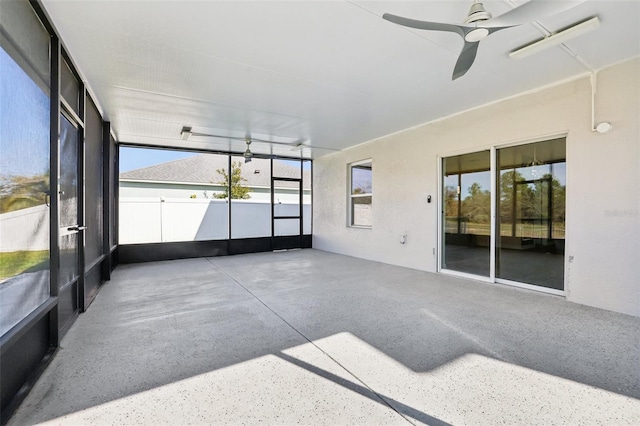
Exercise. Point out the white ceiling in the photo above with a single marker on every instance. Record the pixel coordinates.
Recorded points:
(330, 73)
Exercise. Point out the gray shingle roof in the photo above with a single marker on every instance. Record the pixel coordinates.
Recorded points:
(202, 169)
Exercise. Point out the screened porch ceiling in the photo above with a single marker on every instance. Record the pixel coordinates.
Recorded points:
(311, 76)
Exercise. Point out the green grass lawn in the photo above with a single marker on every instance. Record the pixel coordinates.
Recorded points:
(17, 262)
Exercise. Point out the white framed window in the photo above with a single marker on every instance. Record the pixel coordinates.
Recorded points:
(360, 193)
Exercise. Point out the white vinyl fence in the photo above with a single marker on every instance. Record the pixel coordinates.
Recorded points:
(13, 226)
(153, 220)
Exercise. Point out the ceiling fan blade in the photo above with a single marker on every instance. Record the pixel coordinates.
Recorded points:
(243, 139)
(207, 135)
(301, 146)
(530, 11)
(465, 60)
(425, 25)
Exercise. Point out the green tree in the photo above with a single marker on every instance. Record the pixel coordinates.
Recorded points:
(451, 201)
(21, 192)
(238, 190)
(476, 207)
(508, 179)
(558, 201)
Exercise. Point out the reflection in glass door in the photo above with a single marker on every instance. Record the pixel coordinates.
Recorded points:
(531, 215)
(466, 213)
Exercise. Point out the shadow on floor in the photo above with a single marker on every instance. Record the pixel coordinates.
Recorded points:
(159, 323)
(397, 406)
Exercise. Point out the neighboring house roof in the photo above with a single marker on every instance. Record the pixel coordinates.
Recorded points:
(202, 169)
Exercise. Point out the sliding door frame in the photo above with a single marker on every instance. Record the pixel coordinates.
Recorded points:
(493, 216)
(441, 224)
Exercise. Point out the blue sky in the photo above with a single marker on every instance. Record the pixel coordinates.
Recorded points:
(137, 158)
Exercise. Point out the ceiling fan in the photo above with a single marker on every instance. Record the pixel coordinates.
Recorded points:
(248, 155)
(187, 132)
(479, 24)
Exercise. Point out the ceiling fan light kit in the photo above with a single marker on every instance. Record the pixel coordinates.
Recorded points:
(557, 38)
(476, 35)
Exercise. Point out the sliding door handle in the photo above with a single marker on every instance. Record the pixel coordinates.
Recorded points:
(76, 228)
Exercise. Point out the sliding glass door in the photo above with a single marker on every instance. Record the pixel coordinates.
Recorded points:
(531, 219)
(467, 213)
(528, 233)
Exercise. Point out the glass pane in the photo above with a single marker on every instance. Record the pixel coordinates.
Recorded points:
(68, 258)
(250, 198)
(287, 169)
(68, 173)
(168, 195)
(26, 41)
(306, 198)
(361, 211)
(24, 169)
(467, 213)
(286, 198)
(93, 184)
(361, 179)
(284, 227)
(531, 220)
(69, 87)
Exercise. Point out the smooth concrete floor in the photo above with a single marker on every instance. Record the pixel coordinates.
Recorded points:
(309, 337)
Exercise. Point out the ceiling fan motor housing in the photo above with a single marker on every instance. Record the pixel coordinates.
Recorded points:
(477, 13)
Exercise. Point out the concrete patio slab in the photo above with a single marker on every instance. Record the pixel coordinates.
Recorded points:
(309, 337)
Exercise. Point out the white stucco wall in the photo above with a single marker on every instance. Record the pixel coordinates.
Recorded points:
(602, 262)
